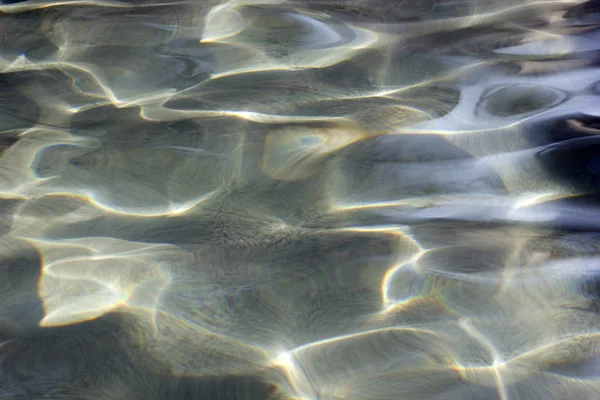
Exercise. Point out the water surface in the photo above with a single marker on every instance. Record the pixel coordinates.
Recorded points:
(360, 200)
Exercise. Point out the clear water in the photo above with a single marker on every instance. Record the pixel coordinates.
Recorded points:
(317, 200)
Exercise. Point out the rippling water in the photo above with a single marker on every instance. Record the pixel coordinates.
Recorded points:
(316, 200)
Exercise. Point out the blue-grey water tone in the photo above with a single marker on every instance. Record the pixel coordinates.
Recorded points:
(309, 200)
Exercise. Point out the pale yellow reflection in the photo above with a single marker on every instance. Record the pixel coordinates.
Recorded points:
(83, 279)
(293, 154)
(231, 25)
(339, 367)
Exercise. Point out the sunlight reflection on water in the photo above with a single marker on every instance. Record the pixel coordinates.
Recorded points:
(299, 200)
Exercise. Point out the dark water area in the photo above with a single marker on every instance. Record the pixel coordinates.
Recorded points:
(316, 200)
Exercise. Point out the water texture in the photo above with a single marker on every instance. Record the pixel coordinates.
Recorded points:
(317, 200)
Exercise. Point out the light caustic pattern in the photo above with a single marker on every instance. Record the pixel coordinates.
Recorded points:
(300, 200)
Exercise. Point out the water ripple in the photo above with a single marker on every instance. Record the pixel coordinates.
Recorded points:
(299, 199)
